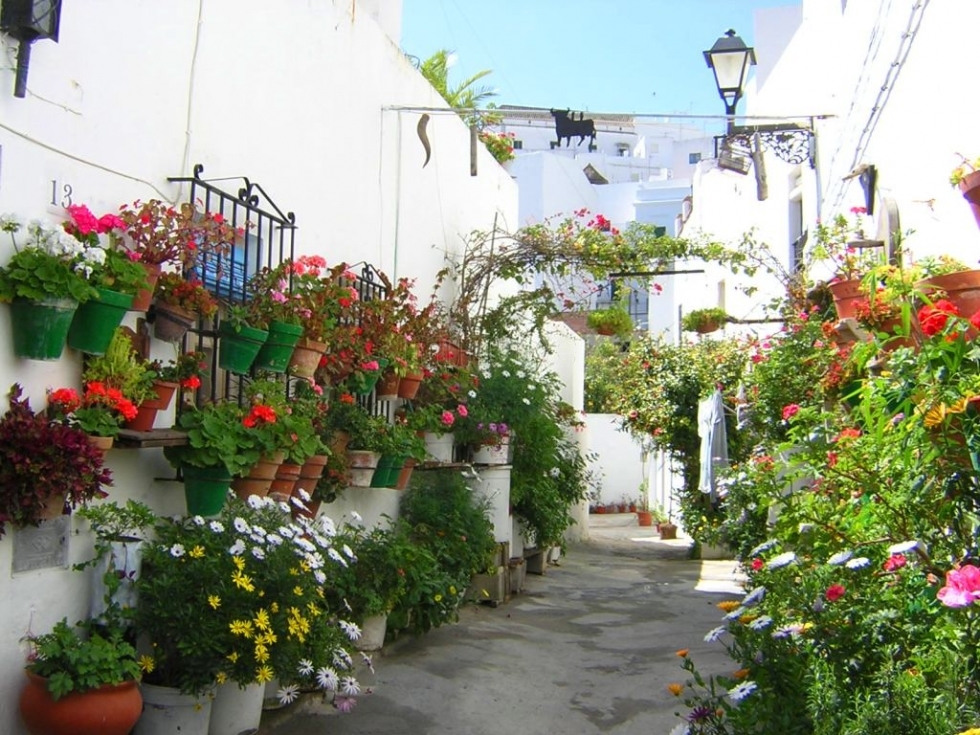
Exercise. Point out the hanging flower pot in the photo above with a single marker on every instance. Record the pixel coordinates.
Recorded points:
(409, 385)
(96, 320)
(237, 349)
(170, 323)
(111, 709)
(387, 386)
(382, 473)
(493, 454)
(275, 354)
(405, 474)
(362, 466)
(205, 489)
(259, 479)
(285, 480)
(364, 379)
(970, 188)
(439, 447)
(962, 289)
(306, 357)
(40, 328)
(846, 296)
(309, 476)
(141, 302)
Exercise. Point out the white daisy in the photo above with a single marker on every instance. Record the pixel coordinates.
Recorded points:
(356, 516)
(304, 496)
(258, 531)
(858, 563)
(177, 551)
(505, 373)
(237, 548)
(320, 577)
(526, 401)
(305, 667)
(350, 629)
(258, 553)
(806, 527)
(472, 394)
(342, 659)
(786, 631)
(754, 597)
(903, 548)
(741, 691)
(315, 560)
(286, 531)
(198, 520)
(274, 539)
(288, 694)
(784, 559)
(681, 729)
(840, 557)
(326, 678)
(216, 526)
(254, 501)
(761, 623)
(348, 552)
(715, 634)
(332, 553)
(367, 661)
(329, 528)
(735, 614)
(349, 686)
(295, 500)
(304, 544)
(241, 526)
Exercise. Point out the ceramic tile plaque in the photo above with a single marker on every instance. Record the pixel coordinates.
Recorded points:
(43, 547)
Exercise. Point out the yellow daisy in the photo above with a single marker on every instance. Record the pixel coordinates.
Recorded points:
(728, 605)
(214, 601)
(675, 688)
(147, 664)
(263, 674)
(221, 677)
(196, 553)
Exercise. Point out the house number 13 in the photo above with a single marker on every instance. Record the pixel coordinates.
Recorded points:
(66, 192)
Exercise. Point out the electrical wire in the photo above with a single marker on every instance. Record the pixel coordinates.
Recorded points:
(192, 73)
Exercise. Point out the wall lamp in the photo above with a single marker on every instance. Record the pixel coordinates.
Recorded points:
(28, 21)
(730, 60)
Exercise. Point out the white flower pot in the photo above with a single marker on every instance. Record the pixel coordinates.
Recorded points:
(166, 711)
(439, 447)
(362, 466)
(236, 711)
(373, 631)
(489, 454)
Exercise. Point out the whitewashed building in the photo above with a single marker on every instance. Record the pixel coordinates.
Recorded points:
(305, 99)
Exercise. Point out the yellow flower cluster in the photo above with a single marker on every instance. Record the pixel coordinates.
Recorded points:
(728, 605)
(299, 626)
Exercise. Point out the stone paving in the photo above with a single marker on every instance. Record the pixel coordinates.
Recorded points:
(588, 647)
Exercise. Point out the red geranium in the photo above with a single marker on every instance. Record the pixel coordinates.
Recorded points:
(933, 318)
(835, 592)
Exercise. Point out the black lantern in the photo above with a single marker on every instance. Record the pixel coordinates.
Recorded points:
(27, 21)
(730, 60)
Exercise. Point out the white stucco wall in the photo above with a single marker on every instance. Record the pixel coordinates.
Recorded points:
(618, 458)
(291, 95)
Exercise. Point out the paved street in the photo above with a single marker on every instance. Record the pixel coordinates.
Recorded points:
(589, 647)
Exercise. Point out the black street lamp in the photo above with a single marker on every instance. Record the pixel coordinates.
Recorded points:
(27, 21)
(730, 60)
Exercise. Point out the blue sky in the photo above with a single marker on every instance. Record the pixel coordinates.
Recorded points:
(629, 56)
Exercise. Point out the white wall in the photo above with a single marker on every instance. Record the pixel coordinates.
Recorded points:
(292, 95)
(618, 457)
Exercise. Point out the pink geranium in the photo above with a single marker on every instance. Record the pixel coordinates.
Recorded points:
(962, 587)
(790, 411)
(462, 411)
(447, 418)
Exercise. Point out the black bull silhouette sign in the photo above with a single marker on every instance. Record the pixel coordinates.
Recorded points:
(567, 127)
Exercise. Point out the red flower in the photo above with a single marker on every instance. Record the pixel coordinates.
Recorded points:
(757, 564)
(347, 398)
(191, 383)
(975, 320)
(66, 398)
(849, 433)
(790, 411)
(895, 562)
(834, 592)
(933, 318)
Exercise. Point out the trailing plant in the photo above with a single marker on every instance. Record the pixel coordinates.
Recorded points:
(704, 320)
(614, 320)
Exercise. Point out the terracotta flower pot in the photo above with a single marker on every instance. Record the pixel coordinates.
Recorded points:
(112, 709)
(165, 393)
(644, 517)
(259, 479)
(145, 295)
(961, 289)
(170, 323)
(306, 357)
(970, 188)
(408, 388)
(387, 387)
(846, 295)
(286, 477)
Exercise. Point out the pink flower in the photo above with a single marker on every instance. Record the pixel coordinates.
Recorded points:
(790, 411)
(834, 592)
(962, 587)
(370, 365)
(447, 418)
(461, 410)
(895, 562)
(278, 297)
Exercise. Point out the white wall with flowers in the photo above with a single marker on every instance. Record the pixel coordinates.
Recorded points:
(295, 96)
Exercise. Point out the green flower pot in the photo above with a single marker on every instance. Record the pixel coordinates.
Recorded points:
(362, 382)
(278, 348)
(95, 321)
(238, 350)
(40, 328)
(205, 489)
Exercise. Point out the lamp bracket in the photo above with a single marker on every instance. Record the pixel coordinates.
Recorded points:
(790, 142)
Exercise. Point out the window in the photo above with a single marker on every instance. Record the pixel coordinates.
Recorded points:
(623, 150)
(518, 145)
(693, 158)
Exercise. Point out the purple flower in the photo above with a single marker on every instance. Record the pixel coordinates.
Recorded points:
(344, 704)
(699, 714)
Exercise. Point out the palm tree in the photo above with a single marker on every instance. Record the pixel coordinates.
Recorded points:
(463, 96)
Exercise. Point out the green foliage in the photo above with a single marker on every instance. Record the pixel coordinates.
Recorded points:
(461, 96)
(122, 368)
(51, 266)
(704, 320)
(377, 582)
(615, 321)
(216, 438)
(79, 663)
(602, 369)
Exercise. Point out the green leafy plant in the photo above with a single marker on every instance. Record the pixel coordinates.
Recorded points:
(704, 320)
(74, 661)
(122, 369)
(52, 265)
(44, 461)
(159, 232)
(613, 321)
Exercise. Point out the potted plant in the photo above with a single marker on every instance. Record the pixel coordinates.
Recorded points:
(158, 233)
(44, 465)
(179, 303)
(703, 321)
(121, 370)
(273, 307)
(44, 282)
(99, 411)
(322, 299)
(115, 277)
(966, 177)
(500, 145)
(239, 341)
(368, 437)
(835, 243)
(614, 321)
(82, 680)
